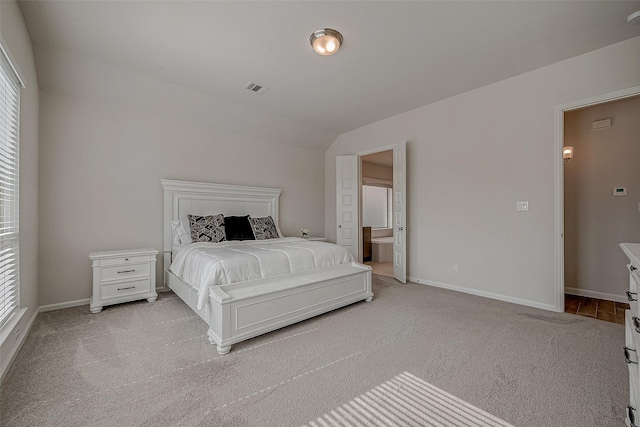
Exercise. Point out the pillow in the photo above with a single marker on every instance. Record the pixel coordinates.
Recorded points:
(238, 228)
(179, 233)
(264, 228)
(207, 228)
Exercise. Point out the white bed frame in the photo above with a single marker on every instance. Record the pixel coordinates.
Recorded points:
(240, 311)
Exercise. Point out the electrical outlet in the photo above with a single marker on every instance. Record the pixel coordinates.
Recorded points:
(522, 206)
(455, 266)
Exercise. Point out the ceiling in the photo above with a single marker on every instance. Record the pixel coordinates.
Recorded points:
(396, 56)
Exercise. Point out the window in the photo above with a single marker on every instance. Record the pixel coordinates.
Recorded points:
(9, 126)
(376, 206)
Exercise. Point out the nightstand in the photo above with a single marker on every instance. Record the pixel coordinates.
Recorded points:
(317, 239)
(122, 276)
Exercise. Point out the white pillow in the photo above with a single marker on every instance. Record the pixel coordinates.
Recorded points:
(180, 234)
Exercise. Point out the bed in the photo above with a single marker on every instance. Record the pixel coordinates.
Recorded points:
(241, 310)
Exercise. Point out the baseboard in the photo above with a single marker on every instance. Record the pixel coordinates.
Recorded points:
(76, 303)
(596, 294)
(4, 369)
(61, 305)
(500, 297)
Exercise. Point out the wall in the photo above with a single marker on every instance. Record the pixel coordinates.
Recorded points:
(17, 41)
(372, 170)
(470, 158)
(107, 138)
(595, 220)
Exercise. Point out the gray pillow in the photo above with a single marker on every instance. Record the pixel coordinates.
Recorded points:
(264, 228)
(208, 228)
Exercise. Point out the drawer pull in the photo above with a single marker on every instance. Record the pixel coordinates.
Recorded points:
(128, 287)
(632, 418)
(626, 355)
(633, 268)
(636, 324)
(126, 271)
(629, 297)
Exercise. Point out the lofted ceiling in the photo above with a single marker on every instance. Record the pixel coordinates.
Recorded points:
(396, 56)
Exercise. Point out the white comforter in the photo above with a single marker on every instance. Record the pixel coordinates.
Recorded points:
(203, 265)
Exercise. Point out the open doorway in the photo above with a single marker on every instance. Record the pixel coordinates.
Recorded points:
(601, 196)
(349, 232)
(377, 211)
(563, 224)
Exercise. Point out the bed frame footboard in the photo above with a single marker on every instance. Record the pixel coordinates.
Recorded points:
(240, 311)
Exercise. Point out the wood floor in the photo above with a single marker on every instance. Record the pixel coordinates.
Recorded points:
(608, 311)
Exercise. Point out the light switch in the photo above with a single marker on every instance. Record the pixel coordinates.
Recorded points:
(522, 206)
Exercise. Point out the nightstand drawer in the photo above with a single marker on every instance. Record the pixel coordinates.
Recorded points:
(125, 288)
(125, 260)
(118, 272)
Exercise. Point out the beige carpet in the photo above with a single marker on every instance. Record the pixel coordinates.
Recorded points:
(416, 355)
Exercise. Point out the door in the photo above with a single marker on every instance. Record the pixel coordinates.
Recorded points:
(347, 214)
(400, 211)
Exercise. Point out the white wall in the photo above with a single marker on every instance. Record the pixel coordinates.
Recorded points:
(596, 221)
(107, 138)
(17, 41)
(470, 158)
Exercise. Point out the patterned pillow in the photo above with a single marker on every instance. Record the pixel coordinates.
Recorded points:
(208, 228)
(264, 228)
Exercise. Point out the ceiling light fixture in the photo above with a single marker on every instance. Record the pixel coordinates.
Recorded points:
(326, 41)
(634, 18)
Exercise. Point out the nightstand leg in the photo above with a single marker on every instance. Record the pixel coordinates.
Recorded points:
(96, 309)
(152, 299)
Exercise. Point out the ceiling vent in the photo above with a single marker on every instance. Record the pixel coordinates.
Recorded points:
(253, 87)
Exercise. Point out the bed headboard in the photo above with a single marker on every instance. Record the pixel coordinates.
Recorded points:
(200, 198)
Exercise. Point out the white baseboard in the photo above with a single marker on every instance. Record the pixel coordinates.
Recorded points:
(4, 369)
(61, 305)
(76, 303)
(596, 294)
(500, 297)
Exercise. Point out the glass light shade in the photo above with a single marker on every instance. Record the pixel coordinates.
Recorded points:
(567, 153)
(326, 41)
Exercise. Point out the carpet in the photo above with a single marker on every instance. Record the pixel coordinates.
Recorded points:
(150, 364)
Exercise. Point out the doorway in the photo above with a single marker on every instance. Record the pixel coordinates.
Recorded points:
(601, 193)
(349, 232)
(590, 219)
(376, 172)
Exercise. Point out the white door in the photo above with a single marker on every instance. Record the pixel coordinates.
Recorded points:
(347, 216)
(400, 211)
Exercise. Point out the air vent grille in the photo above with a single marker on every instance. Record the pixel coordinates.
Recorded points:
(254, 87)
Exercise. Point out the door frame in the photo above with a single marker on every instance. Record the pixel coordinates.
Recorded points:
(559, 177)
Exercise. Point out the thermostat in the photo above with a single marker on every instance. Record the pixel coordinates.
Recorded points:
(620, 191)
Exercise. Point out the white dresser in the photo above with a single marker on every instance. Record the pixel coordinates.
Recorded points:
(632, 333)
(122, 276)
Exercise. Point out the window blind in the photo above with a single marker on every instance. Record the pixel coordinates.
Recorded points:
(9, 126)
